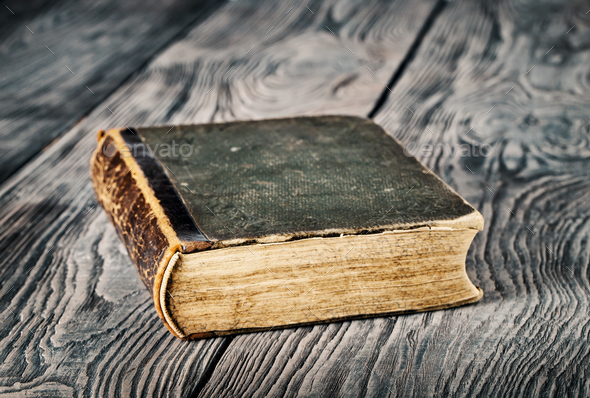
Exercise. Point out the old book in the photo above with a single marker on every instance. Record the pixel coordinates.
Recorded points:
(259, 225)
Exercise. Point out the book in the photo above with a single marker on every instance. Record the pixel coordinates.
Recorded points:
(260, 225)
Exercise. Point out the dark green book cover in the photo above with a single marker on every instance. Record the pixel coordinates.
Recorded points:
(298, 176)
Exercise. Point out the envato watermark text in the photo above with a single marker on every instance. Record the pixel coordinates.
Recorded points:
(447, 150)
(172, 150)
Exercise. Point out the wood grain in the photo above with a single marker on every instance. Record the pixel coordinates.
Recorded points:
(77, 320)
(529, 334)
(60, 60)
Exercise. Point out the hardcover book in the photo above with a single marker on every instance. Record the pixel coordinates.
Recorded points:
(260, 225)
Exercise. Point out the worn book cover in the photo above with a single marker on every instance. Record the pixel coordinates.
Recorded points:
(258, 225)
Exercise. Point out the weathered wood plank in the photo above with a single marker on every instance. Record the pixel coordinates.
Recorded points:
(58, 61)
(78, 321)
(529, 335)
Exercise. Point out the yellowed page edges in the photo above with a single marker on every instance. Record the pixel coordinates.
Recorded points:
(163, 290)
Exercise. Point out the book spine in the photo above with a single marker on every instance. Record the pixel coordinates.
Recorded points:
(125, 193)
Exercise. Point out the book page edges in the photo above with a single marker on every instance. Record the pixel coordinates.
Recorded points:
(475, 295)
(170, 323)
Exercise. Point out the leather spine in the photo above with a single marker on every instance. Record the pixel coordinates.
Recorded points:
(142, 220)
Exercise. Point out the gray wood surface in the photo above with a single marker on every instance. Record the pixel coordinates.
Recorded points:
(60, 60)
(471, 85)
(77, 320)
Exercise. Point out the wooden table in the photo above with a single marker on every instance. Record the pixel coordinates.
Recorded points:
(502, 88)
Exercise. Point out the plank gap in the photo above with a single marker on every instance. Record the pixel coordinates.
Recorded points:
(208, 373)
(209, 9)
(410, 55)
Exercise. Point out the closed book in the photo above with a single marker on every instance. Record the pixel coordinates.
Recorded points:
(260, 225)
